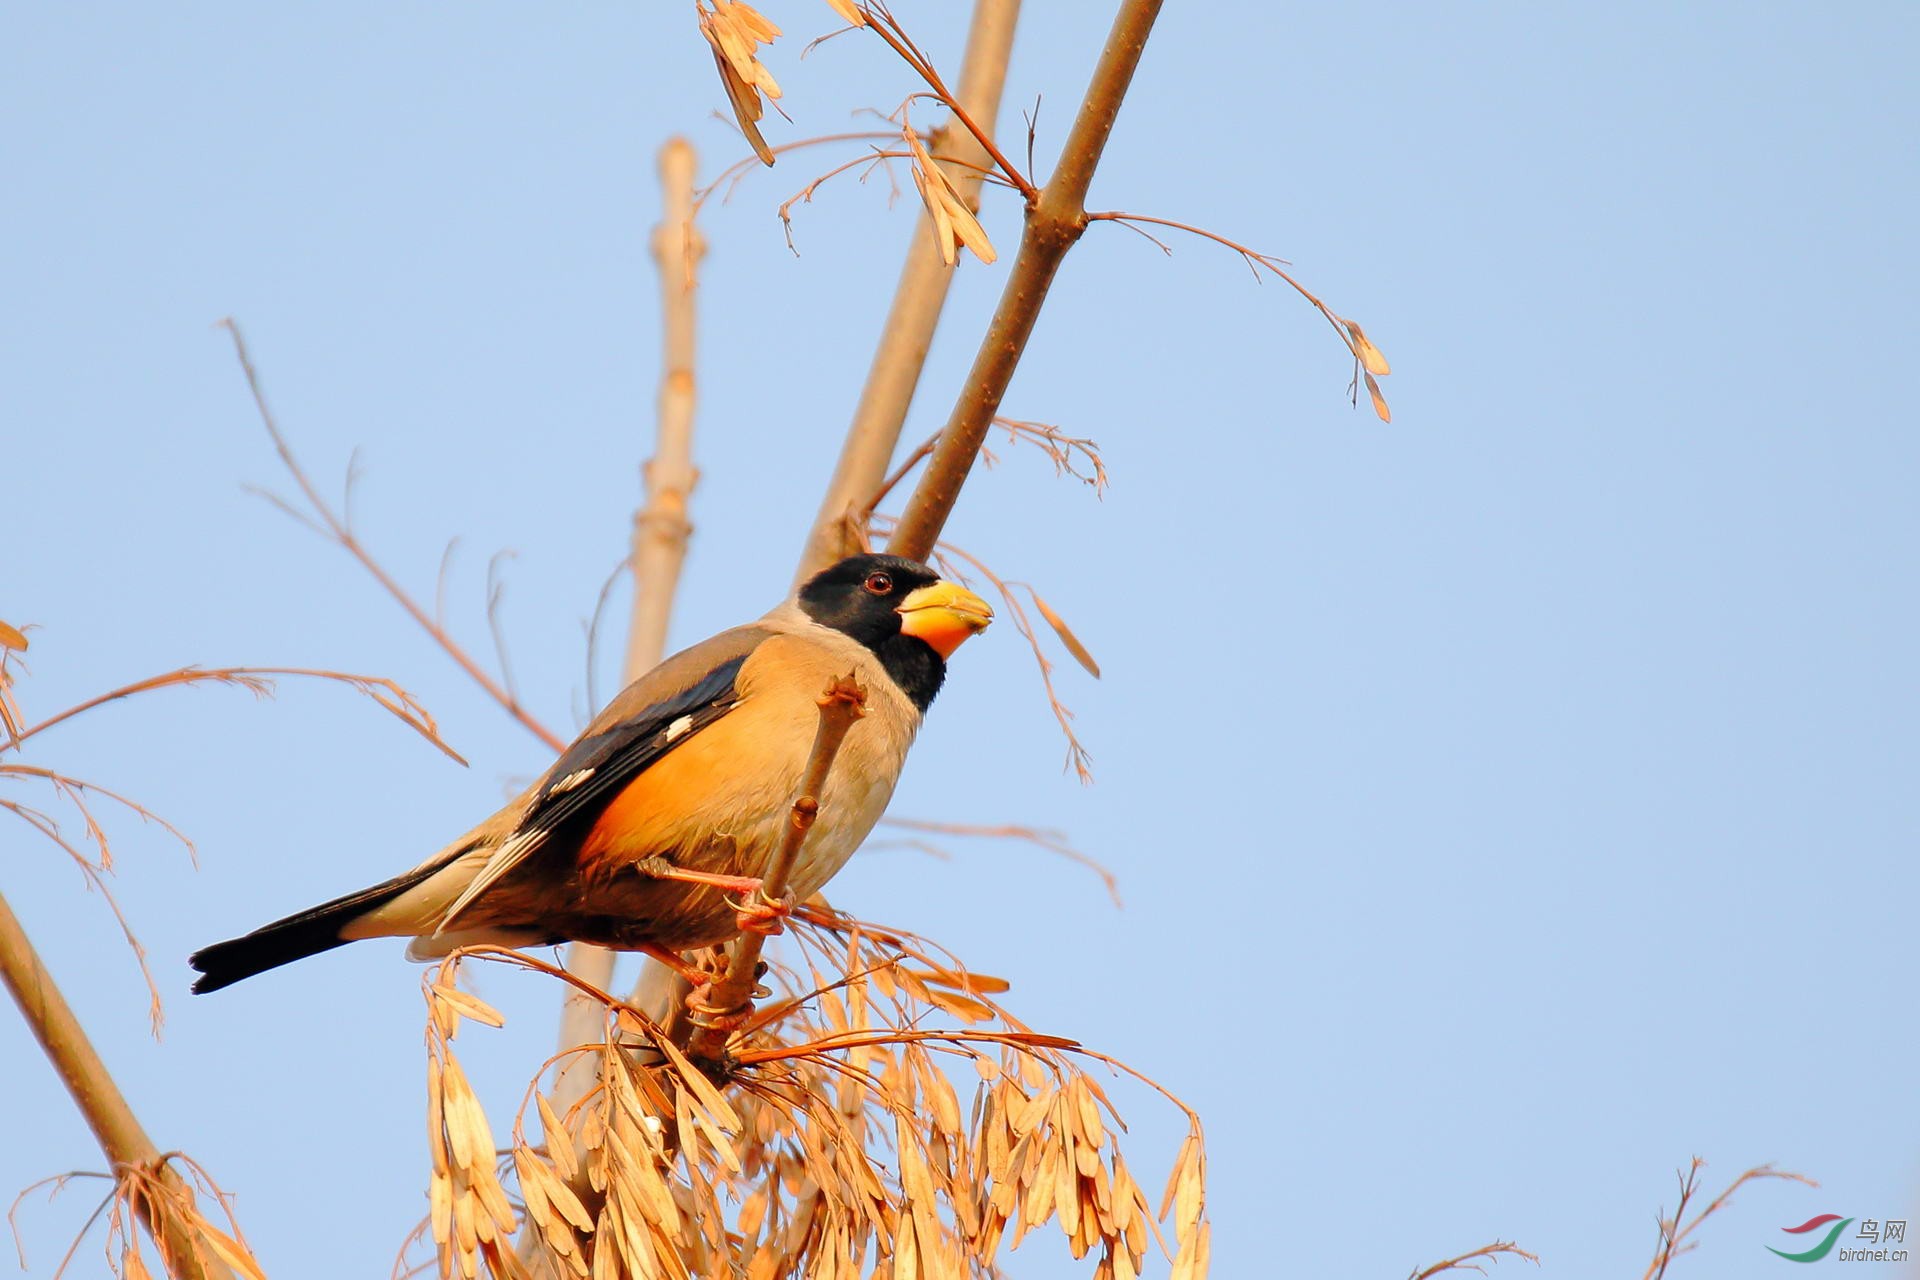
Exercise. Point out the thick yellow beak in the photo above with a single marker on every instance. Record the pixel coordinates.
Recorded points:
(943, 615)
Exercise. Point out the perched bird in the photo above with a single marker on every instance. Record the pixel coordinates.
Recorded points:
(671, 800)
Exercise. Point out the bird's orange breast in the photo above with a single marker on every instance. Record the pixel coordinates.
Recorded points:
(718, 801)
(716, 793)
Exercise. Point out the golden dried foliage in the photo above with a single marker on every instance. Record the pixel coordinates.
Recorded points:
(12, 641)
(472, 1220)
(736, 30)
(852, 13)
(955, 226)
(833, 1137)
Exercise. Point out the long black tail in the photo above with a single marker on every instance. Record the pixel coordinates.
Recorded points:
(309, 933)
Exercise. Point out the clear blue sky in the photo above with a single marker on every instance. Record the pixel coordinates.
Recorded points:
(1510, 802)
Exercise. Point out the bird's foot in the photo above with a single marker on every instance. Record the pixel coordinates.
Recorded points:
(694, 976)
(660, 869)
(757, 913)
(705, 1015)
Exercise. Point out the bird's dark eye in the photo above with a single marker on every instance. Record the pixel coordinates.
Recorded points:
(879, 583)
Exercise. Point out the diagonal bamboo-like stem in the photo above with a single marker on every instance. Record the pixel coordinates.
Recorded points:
(660, 533)
(661, 529)
(917, 301)
(843, 703)
(99, 1099)
(1054, 224)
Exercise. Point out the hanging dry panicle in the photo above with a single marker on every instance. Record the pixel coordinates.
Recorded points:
(833, 1138)
(473, 1221)
(736, 30)
(954, 226)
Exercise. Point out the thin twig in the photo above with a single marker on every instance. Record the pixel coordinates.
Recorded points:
(1471, 1261)
(1052, 841)
(1675, 1230)
(1079, 759)
(259, 682)
(340, 533)
(888, 28)
(843, 703)
(1367, 359)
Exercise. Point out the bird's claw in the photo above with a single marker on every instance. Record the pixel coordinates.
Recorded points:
(761, 914)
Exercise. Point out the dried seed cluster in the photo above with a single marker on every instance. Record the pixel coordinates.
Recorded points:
(954, 225)
(832, 1144)
(736, 31)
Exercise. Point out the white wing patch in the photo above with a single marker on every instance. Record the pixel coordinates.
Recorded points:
(569, 782)
(679, 728)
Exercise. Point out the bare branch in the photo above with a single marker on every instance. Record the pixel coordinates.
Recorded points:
(99, 1099)
(339, 532)
(661, 530)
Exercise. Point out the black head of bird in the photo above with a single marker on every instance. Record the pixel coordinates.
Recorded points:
(902, 611)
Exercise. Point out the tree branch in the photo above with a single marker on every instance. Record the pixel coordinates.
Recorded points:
(917, 301)
(727, 999)
(99, 1099)
(661, 529)
(660, 533)
(1055, 221)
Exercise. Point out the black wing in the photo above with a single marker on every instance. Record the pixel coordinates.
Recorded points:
(598, 767)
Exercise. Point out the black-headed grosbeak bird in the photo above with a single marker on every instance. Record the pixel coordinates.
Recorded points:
(669, 803)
